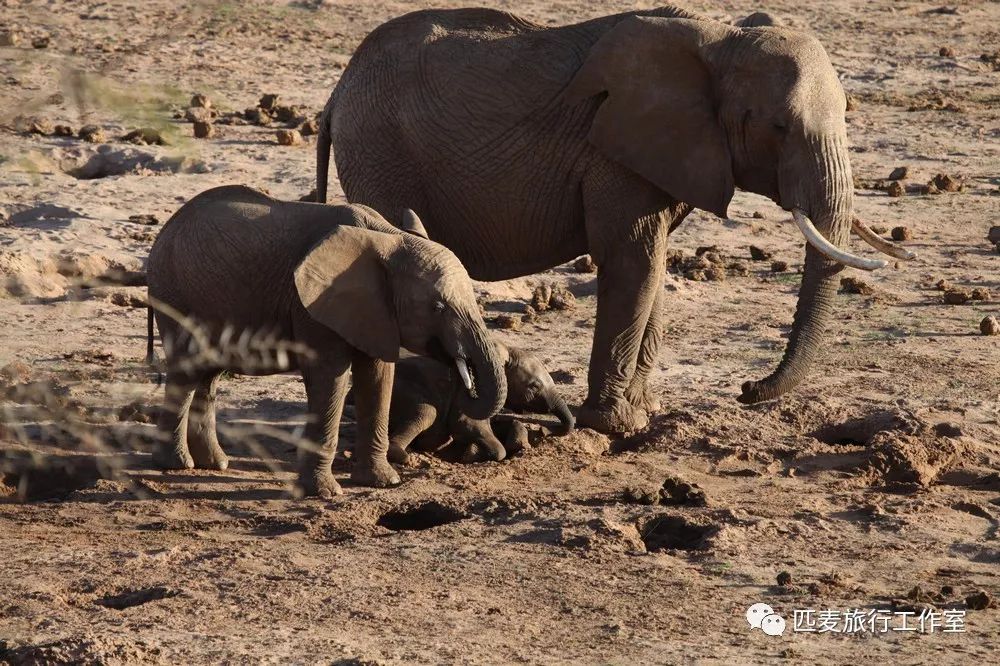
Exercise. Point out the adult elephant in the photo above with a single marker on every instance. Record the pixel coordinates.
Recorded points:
(523, 146)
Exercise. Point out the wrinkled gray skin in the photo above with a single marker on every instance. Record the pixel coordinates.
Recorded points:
(338, 281)
(523, 146)
(424, 409)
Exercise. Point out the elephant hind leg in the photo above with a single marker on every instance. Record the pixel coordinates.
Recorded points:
(203, 440)
(171, 450)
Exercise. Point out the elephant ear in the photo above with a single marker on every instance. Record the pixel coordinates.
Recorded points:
(409, 222)
(343, 282)
(659, 116)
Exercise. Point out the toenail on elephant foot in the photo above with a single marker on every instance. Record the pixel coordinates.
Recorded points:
(477, 452)
(620, 418)
(376, 475)
(169, 457)
(318, 484)
(217, 461)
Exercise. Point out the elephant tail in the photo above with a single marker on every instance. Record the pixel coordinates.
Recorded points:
(150, 354)
(323, 143)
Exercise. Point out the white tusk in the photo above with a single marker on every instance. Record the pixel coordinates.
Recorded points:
(463, 370)
(879, 243)
(818, 241)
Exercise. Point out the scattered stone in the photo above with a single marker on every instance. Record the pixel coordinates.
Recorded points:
(879, 228)
(946, 52)
(562, 299)
(957, 296)
(15, 372)
(40, 42)
(530, 315)
(899, 173)
(145, 136)
(993, 235)
(946, 429)
(258, 117)
(992, 59)
(203, 130)
(757, 215)
(990, 325)
(309, 128)
(895, 189)
(38, 126)
(8, 38)
(198, 114)
(853, 285)
(942, 285)
(125, 300)
(852, 103)
(676, 491)
(674, 260)
(704, 249)
(144, 218)
(981, 294)
(641, 495)
(779, 266)
(979, 600)
(929, 188)
(585, 265)
(738, 268)
(540, 297)
(200, 101)
(62, 130)
(946, 183)
(289, 137)
(758, 254)
(268, 102)
(902, 234)
(91, 134)
(508, 322)
(288, 114)
(784, 579)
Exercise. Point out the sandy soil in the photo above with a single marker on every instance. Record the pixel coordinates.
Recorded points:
(874, 485)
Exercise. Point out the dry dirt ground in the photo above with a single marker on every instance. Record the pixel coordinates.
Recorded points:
(874, 485)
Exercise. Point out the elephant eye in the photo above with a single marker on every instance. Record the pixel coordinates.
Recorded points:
(439, 306)
(781, 127)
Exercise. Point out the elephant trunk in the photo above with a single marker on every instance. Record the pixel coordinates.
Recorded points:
(830, 208)
(558, 407)
(488, 377)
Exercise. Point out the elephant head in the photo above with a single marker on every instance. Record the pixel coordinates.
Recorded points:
(530, 386)
(698, 108)
(382, 291)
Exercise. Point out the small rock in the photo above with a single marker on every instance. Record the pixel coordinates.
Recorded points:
(198, 114)
(758, 254)
(852, 103)
(757, 215)
(201, 101)
(853, 285)
(946, 52)
(62, 130)
(91, 134)
(562, 299)
(508, 322)
(289, 137)
(258, 117)
(641, 495)
(784, 579)
(125, 300)
(930, 188)
(993, 235)
(957, 296)
(946, 183)
(990, 325)
(899, 173)
(979, 600)
(945, 429)
(15, 372)
(704, 249)
(981, 294)
(738, 268)
(585, 265)
(676, 490)
(779, 266)
(540, 298)
(309, 128)
(8, 38)
(145, 136)
(268, 102)
(40, 42)
(39, 126)
(144, 218)
(895, 189)
(203, 130)
(902, 234)
(530, 315)
(287, 114)
(942, 285)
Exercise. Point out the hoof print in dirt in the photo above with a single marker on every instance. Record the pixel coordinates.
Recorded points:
(419, 517)
(669, 532)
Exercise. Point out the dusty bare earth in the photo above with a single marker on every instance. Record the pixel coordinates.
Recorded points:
(874, 485)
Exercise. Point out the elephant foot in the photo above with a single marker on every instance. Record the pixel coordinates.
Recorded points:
(172, 457)
(379, 474)
(210, 457)
(318, 483)
(480, 452)
(399, 456)
(644, 400)
(619, 418)
(517, 438)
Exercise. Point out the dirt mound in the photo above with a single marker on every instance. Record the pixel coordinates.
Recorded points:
(83, 651)
(85, 163)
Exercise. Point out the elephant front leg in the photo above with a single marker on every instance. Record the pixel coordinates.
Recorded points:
(638, 392)
(326, 388)
(372, 395)
(203, 440)
(409, 420)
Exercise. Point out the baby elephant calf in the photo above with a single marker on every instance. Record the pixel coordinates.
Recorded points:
(244, 283)
(430, 408)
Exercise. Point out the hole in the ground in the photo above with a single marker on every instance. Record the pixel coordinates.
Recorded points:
(130, 598)
(666, 532)
(422, 516)
(860, 430)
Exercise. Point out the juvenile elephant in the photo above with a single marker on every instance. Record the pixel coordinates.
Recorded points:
(424, 406)
(523, 146)
(245, 283)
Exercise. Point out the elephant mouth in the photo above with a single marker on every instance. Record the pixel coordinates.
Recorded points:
(466, 372)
